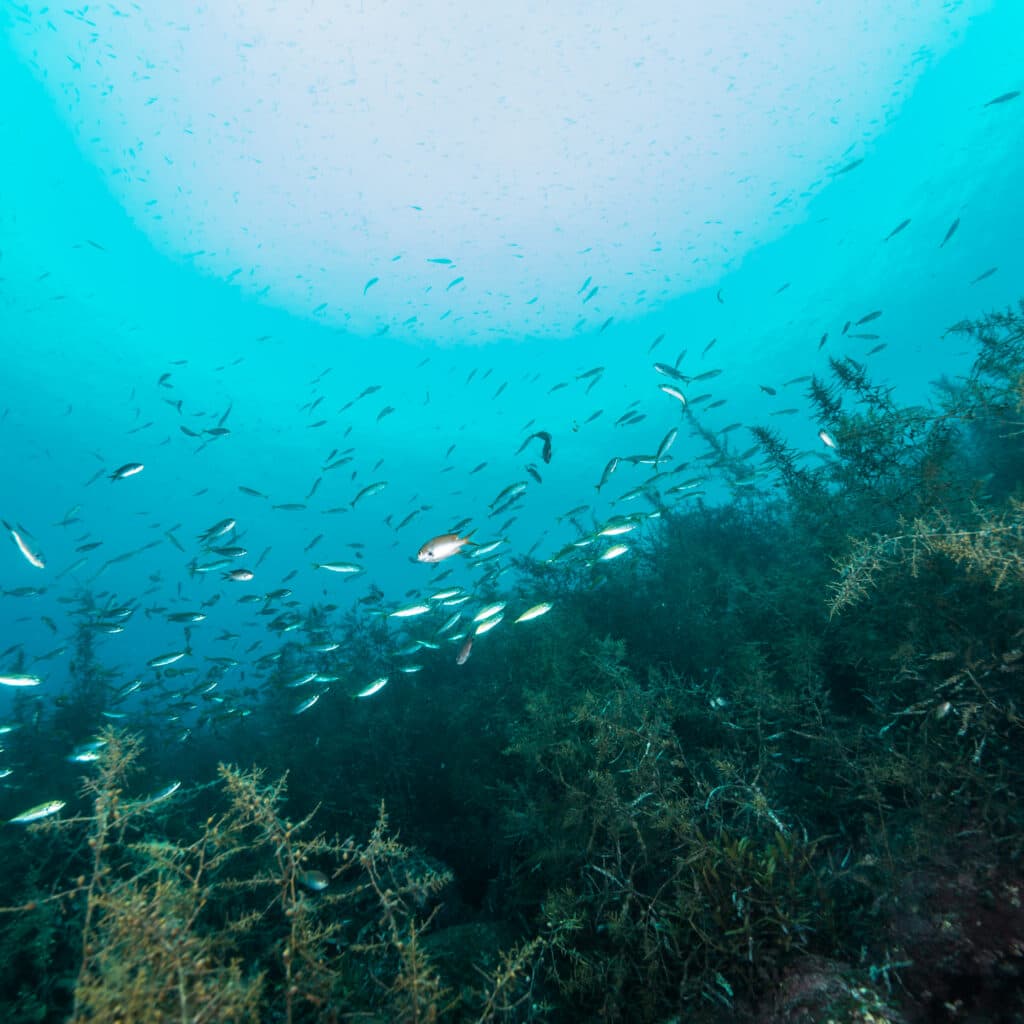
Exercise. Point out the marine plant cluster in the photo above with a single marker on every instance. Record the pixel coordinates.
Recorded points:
(767, 771)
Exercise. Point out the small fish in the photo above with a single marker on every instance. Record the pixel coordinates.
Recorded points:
(828, 440)
(487, 625)
(162, 660)
(306, 704)
(535, 612)
(590, 294)
(896, 230)
(375, 687)
(613, 464)
(38, 812)
(315, 881)
(340, 567)
(546, 438)
(868, 317)
(1004, 98)
(453, 283)
(368, 490)
(673, 393)
(614, 552)
(18, 679)
(988, 273)
(670, 371)
(464, 651)
(32, 556)
(127, 470)
(409, 611)
(437, 549)
(950, 232)
(666, 442)
(369, 284)
(489, 612)
(239, 575)
(767, 390)
(163, 794)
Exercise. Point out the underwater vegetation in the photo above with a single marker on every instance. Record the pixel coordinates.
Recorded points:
(766, 770)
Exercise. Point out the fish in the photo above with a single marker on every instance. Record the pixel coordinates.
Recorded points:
(163, 794)
(546, 438)
(487, 625)
(670, 371)
(896, 230)
(510, 492)
(38, 812)
(19, 679)
(1004, 98)
(369, 284)
(315, 881)
(464, 651)
(218, 530)
(950, 232)
(368, 491)
(535, 612)
(239, 575)
(127, 470)
(673, 393)
(340, 567)
(666, 442)
(375, 687)
(828, 440)
(409, 611)
(306, 704)
(613, 464)
(987, 273)
(489, 612)
(614, 552)
(868, 317)
(162, 660)
(31, 555)
(437, 549)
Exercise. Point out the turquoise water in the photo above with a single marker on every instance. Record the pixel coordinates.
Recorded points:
(409, 238)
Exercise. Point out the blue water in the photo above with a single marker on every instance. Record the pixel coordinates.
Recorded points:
(239, 245)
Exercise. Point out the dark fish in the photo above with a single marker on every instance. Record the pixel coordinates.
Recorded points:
(896, 230)
(849, 167)
(988, 273)
(824, 338)
(369, 284)
(951, 232)
(767, 390)
(591, 294)
(1005, 98)
(546, 438)
(868, 318)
